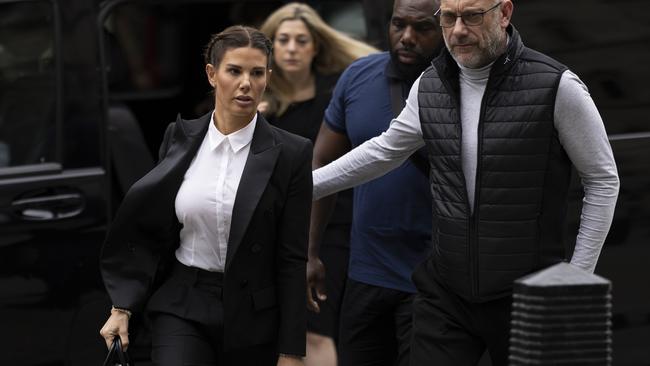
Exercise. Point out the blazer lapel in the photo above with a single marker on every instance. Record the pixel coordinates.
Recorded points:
(185, 143)
(149, 204)
(257, 171)
(186, 140)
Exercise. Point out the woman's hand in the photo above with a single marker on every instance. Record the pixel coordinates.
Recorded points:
(286, 360)
(117, 324)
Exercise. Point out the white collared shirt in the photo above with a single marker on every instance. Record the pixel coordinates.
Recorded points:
(205, 199)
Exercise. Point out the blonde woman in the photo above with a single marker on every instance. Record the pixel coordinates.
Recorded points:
(308, 57)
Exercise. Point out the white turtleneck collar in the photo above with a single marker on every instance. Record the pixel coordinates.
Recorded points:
(476, 75)
(481, 73)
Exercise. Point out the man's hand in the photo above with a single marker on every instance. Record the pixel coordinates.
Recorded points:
(287, 360)
(315, 283)
(329, 146)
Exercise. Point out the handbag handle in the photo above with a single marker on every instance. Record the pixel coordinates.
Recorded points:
(116, 353)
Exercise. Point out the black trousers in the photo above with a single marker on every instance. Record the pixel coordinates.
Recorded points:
(450, 331)
(193, 335)
(375, 326)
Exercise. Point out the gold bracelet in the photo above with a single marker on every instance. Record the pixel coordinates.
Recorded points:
(122, 310)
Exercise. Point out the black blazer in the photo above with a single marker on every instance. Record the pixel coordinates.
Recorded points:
(264, 287)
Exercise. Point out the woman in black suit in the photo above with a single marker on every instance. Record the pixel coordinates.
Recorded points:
(212, 242)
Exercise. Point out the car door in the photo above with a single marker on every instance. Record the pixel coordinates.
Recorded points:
(53, 205)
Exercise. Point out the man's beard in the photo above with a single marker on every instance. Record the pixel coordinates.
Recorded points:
(410, 72)
(490, 51)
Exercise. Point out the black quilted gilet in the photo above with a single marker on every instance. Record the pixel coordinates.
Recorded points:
(522, 174)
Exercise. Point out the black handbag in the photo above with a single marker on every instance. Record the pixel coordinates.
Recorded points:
(116, 355)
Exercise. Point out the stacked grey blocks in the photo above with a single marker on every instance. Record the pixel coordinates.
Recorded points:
(561, 316)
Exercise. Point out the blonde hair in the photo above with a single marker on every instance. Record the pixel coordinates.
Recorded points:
(334, 51)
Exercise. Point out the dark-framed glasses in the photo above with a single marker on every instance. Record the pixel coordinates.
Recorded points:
(448, 19)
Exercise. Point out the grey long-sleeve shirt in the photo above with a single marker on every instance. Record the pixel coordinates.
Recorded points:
(580, 130)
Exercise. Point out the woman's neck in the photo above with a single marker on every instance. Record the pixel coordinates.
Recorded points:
(226, 123)
(304, 85)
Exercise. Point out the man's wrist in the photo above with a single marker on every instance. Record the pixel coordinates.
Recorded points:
(313, 249)
(297, 357)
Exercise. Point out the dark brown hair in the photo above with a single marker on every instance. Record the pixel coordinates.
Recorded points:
(236, 36)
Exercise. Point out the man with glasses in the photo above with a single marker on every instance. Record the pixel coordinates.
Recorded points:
(502, 125)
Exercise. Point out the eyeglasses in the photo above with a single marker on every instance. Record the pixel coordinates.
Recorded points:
(448, 19)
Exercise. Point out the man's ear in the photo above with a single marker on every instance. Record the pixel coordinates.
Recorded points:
(506, 11)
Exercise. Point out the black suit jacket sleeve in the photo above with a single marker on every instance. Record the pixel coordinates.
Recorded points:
(128, 266)
(292, 256)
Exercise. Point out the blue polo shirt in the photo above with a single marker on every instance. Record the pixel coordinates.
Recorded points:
(391, 224)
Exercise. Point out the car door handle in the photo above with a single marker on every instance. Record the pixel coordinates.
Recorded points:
(49, 207)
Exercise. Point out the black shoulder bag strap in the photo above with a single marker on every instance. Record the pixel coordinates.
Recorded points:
(397, 102)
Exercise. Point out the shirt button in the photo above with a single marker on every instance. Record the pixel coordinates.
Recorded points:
(256, 248)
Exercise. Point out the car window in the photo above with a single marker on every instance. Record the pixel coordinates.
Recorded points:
(28, 82)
